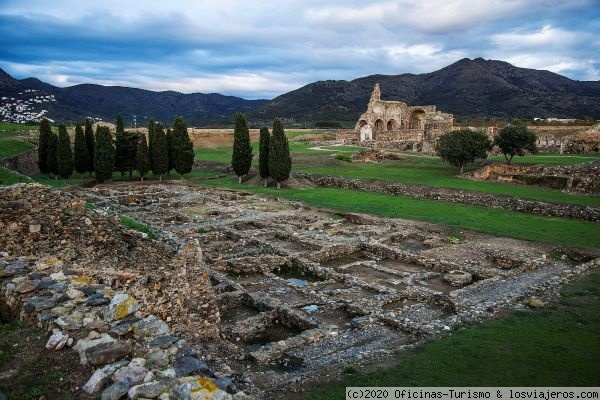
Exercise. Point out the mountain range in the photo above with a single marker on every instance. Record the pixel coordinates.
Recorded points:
(105, 102)
(467, 88)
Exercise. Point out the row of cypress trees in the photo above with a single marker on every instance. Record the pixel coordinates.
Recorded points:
(128, 151)
(274, 160)
(170, 150)
(55, 155)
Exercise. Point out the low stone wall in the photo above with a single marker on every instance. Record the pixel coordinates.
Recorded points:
(583, 178)
(110, 294)
(474, 198)
(399, 135)
(133, 356)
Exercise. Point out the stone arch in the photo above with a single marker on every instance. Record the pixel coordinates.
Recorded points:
(361, 123)
(366, 133)
(379, 125)
(416, 119)
(392, 125)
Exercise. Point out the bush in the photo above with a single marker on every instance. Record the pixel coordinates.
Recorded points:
(462, 147)
(515, 140)
(343, 157)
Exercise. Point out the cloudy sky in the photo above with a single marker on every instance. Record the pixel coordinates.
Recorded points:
(259, 49)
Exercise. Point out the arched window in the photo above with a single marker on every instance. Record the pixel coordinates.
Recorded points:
(392, 125)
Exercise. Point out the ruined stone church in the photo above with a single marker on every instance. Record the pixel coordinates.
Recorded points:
(395, 124)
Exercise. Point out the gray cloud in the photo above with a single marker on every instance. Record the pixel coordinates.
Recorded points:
(262, 49)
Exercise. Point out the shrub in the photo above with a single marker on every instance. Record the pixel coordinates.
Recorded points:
(515, 140)
(343, 157)
(462, 147)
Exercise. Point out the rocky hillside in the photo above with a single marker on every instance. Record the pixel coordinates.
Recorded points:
(467, 88)
(87, 100)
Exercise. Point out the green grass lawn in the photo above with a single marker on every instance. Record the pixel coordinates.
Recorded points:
(551, 158)
(559, 231)
(423, 172)
(555, 346)
(11, 128)
(8, 177)
(415, 169)
(11, 147)
(77, 178)
(136, 225)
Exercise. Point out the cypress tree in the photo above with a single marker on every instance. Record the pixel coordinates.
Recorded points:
(151, 125)
(104, 154)
(143, 157)
(125, 149)
(64, 154)
(81, 158)
(241, 159)
(280, 161)
(263, 155)
(51, 160)
(132, 142)
(121, 151)
(183, 148)
(120, 128)
(90, 143)
(170, 151)
(160, 155)
(45, 132)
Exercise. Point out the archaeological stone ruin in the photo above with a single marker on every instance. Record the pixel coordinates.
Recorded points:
(241, 296)
(394, 124)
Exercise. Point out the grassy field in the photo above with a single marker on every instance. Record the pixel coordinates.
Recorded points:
(8, 177)
(526, 348)
(551, 158)
(77, 178)
(425, 172)
(11, 128)
(559, 231)
(415, 169)
(11, 147)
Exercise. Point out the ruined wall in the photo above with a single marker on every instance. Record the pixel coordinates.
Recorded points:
(567, 139)
(36, 221)
(409, 127)
(404, 134)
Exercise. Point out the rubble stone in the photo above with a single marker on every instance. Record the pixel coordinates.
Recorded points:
(115, 391)
(151, 326)
(134, 373)
(57, 340)
(108, 352)
(121, 306)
